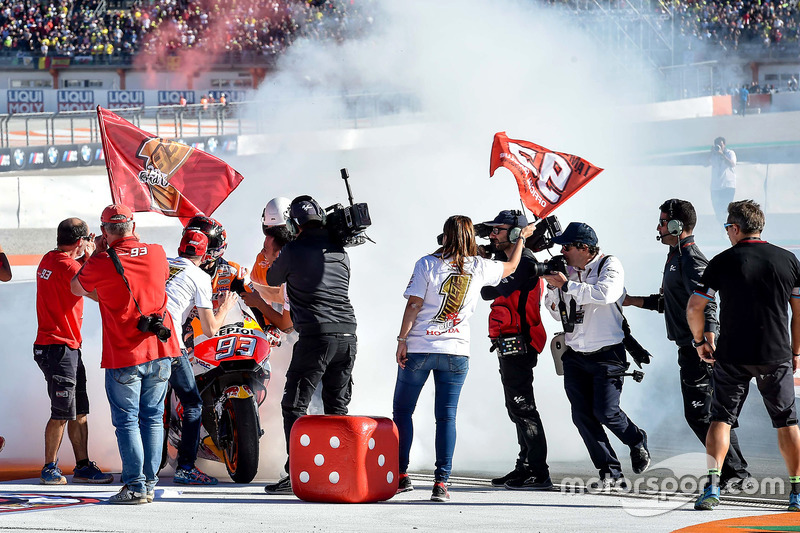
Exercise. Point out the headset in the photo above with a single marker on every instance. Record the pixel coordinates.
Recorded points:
(514, 233)
(303, 209)
(674, 226)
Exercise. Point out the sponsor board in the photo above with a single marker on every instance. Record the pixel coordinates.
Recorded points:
(174, 97)
(25, 100)
(230, 96)
(75, 100)
(123, 99)
(90, 154)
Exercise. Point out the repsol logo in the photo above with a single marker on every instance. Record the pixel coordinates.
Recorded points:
(174, 97)
(125, 98)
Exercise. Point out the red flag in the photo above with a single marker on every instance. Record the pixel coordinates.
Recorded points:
(149, 173)
(546, 179)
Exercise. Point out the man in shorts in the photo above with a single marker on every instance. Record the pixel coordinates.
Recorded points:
(57, 351)
(757, 283)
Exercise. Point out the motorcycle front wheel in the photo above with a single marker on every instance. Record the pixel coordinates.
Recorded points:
(240, 445)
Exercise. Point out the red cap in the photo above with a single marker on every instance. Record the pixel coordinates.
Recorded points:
(193, 243)
(116, 214)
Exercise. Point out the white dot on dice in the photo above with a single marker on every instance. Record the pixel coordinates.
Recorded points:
(371, 443)
(334, 477)
(319, 459)
(389, 477)
(381, 460)
(304, 477)
(334, 442)
(305, 440)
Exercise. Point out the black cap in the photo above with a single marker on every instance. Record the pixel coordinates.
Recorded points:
(577, 232)
(512, 218)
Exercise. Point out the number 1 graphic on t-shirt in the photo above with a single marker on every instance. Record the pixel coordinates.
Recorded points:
(454, 289)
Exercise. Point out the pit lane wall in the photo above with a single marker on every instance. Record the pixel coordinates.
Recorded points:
(716, 106)
(60, 100)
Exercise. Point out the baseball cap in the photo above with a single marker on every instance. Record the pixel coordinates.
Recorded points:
(577, 232)
(510, 218)
(116, 214)
(194, 242)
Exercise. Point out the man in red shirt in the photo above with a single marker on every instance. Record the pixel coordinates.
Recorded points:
(57, 351)
(129, 277)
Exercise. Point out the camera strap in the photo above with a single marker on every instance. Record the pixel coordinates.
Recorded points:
(121, 271)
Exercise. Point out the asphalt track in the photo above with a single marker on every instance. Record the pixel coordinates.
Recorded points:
(475, 506)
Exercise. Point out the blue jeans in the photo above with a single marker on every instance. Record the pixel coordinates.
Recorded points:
(449, 373)
(136, 396)
(185, 387)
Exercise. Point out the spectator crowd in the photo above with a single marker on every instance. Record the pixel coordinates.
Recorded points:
(88, 29)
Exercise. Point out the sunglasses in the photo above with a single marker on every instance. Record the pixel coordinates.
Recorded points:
(663, 222)
(568, 247)
(728, 225)
(86, 238)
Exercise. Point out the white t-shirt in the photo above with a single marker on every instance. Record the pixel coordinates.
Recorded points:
(723, 176)
(187, 287)
(449, 299)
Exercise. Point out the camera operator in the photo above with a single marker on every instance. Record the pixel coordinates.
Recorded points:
(189, 288)
(317, 275)
(682, 272)
(518, 335)
(595, 355)
(723, 178)
(129, 277)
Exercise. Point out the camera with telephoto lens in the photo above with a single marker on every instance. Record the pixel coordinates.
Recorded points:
(551, 266)
(346, 224)
(154, 324)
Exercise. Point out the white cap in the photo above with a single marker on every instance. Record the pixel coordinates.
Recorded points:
(276, 212)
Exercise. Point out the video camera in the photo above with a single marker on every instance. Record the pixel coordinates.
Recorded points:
(542, 239)
(346, 224)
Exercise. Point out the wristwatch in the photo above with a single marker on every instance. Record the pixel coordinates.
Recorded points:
(698, 344)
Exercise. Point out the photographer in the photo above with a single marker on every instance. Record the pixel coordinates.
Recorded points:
(518, 335)
(317, 275)
(682, 272)
(129, 277)
(723, 178)
(595, 356)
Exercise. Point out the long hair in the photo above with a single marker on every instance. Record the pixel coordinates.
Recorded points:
(459, 241)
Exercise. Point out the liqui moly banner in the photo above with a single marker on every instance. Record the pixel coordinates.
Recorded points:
(25, 100)
(75, 100)
(125, 99)
(174, 97)
(230, 96)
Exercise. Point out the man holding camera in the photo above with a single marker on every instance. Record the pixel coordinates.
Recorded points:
(57, 351)
(129, 279)
(518, 335)
(682, 273)
(316, 271)
(758, 283)
(723, 178)
(585, 299)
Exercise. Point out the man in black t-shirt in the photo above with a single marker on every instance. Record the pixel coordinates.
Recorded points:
(757, 282)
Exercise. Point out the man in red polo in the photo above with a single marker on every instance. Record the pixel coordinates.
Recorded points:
(57, 351)
(129, 277)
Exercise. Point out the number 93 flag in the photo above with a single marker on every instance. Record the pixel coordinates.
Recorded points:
(546, 179)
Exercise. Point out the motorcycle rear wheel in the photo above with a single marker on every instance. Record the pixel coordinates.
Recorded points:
(240, 418)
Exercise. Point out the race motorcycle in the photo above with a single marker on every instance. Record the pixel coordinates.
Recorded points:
(232, 371)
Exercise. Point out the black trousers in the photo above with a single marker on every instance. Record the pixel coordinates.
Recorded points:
(326, 359)
(516, 373)
(696, 388)
(594, 397)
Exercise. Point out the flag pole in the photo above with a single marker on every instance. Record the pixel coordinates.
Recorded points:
(101, 124)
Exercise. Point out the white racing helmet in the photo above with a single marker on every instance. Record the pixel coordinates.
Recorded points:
(275, 213)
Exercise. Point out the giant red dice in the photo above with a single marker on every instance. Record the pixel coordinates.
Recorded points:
(347, 459)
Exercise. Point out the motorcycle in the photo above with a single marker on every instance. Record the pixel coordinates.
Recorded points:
(232, 371)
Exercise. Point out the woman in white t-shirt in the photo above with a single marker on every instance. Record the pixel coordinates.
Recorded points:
(434, 336)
